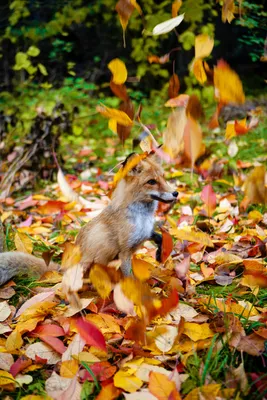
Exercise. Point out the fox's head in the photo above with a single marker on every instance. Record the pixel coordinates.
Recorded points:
(145, 182)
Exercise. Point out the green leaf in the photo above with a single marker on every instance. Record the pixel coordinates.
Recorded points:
(22, 61)
(33, 51)
(42, 69)
(87, 390)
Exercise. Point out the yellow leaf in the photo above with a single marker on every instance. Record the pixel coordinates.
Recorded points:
(131, 163)
(197, 331)
(166, 335)
(199, 70)
(120, 116)
(160, 385)
(227, 258)
(203, 46)
(119, 71)
(176, 5)
(228, 86)
(207, 392)
(141, 269)
(14, 341)
(6, 378)
(191, 236)
(36, 397)
(23, 243)
(69, 368)
(230, 131)
(112, 124)
(228, 10)
(100, 280)
(71, 255)
(127, 382)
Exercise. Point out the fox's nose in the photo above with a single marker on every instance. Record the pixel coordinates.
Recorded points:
(175, 194)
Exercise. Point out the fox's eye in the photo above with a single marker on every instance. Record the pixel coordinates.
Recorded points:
(152, 182)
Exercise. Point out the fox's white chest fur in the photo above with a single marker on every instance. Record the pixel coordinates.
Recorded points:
(141, 216)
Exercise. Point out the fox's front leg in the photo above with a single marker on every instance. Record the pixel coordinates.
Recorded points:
(126, 263)
(157, 238)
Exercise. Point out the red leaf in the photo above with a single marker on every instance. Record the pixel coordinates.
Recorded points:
(167, 245)
(40, 360)
(48, 330)
(209, 198)
(102, 371)
(19, 365)
(91, 334)
(55, 343)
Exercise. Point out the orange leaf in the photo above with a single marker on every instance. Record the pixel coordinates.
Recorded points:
(159, 60)
(180, 101)
(71, 255)
(176, 5)
(174, 86)
(241, 127)
(108, 392)
(160, 386)
(228, 10)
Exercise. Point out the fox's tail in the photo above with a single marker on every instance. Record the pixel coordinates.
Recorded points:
(15, 263)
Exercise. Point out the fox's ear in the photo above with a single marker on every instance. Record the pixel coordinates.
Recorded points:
(154, 156)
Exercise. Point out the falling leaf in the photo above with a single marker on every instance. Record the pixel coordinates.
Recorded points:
(124, 131)
(101, 280)
(23, 242)
(120, 116)
(119, 90)
(159, 60)
(125, 9)
(141, 268)
(232, 149)
(167, 26)
(228, 9)
(180, 101)
(194, 108)
(173, 135)
(119, 71)
(174, 86)
(176, 5)
(131, 163)
(199, 71)
(192, 140)
(209, 198)
(228, 86)
(203, 46)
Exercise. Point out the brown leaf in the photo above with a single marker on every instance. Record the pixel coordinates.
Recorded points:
(167, 245)
(255, 186)
(174, 86)
(252, 344)
(192, 140)
(119, 90)
(194, 108)
(124, 131)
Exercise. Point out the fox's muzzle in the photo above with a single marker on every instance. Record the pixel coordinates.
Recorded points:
(165, 197)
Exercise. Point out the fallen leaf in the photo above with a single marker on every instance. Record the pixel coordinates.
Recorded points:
(197, 331)
(160, 386)
(23, 242)
(90, 333)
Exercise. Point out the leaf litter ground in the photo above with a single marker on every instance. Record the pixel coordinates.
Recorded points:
(137, 341)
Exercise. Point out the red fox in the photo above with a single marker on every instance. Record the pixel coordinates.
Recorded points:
(118, 231)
